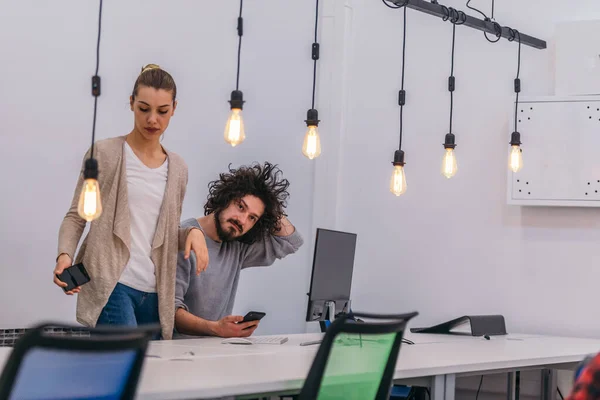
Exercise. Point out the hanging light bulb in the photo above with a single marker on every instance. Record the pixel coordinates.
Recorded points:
(90, 205)
(312, 143)
(449, 165)
(311, 147)
(515, 160)
(234, 128)
(398, 181)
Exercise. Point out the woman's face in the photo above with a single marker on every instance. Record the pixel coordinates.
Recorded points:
(152, 109)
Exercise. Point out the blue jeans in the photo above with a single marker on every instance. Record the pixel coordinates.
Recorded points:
(129, 307)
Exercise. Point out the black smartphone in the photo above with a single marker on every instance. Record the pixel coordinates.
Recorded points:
(253, 316)
(75, 275)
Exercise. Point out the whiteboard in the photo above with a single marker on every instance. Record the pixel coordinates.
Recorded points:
(561, 152)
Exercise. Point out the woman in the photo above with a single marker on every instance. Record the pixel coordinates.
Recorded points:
(131, 250)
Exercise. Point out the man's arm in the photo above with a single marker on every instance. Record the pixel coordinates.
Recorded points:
(190, 324)
(285, 241)
(230, 326)
(187, 323)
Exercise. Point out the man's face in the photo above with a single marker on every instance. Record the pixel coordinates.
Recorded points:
(238, 217)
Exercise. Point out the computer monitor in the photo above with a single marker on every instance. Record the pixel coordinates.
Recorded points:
(331, 278)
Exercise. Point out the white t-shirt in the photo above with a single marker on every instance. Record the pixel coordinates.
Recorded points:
(146, 189)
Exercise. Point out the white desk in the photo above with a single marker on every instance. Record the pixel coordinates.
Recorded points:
(205, 368)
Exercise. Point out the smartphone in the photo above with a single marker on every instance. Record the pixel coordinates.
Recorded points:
(253, 316)
(74, 276)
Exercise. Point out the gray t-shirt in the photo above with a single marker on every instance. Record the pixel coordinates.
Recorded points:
(211, 294)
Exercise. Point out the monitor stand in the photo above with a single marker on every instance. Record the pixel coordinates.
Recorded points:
(330, 306)
(476, 325)
(330, 315)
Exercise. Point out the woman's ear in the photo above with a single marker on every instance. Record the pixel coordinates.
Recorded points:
(174, 107)
(131, 102)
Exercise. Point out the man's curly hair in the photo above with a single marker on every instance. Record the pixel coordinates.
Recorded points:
(262, 181)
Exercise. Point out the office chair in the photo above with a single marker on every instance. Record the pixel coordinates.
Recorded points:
(356, 360)
(105, 365)
(399, 392)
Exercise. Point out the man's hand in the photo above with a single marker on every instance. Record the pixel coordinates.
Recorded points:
(284, 227)
(195, 241)
(63, 262)
(231, 326)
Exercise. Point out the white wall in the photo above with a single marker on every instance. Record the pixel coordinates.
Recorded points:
(446, 248)
(46, 119)
(453, 247)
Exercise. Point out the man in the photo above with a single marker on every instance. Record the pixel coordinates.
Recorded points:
(244, 225)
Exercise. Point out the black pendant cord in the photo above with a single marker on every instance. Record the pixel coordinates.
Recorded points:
(312, 115)
(402, 96)
(399, 154)
(497, 27)
(96, 80)
(518, 80)
(515, 34)
(394, 5)
(451, 82)
(240, 29)
(456, 18)
(475, 9)
(237, 97)
(315, 54)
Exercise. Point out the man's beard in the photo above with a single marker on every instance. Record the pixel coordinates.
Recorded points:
(224, 235)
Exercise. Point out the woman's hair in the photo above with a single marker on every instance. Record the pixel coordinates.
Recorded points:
(155, 77)
(262, 181)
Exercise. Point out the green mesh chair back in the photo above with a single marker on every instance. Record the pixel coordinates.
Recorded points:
(357, 358)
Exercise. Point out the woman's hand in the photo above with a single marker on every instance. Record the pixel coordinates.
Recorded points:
(63, 262)
(195, 241)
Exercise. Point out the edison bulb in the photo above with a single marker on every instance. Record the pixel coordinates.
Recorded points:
(449, 165)
(234, 129)
(311, 147)
(515, 161)
(398, 181)
(90, 206)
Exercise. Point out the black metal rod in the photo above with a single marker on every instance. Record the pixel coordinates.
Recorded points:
(437, 10)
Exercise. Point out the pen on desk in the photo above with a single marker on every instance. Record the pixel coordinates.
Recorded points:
(310, 343)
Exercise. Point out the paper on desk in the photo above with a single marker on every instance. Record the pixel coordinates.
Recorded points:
(186, 356)
(191, 356)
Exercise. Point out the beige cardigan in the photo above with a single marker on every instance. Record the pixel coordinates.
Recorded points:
(105, 250)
